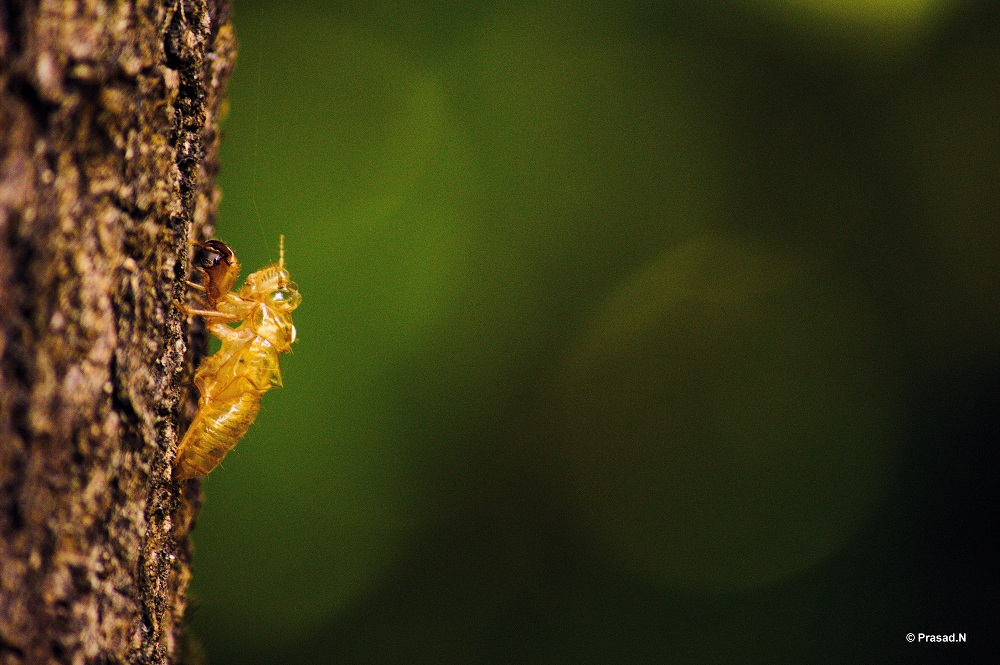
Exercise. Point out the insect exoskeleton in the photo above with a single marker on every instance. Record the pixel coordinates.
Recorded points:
(232, 381)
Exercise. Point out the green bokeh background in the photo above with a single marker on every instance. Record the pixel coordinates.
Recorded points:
(632, 332)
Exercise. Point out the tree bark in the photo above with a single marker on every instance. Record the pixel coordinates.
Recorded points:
(109, 117)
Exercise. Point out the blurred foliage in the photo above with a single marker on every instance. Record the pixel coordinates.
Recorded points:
(632, 332)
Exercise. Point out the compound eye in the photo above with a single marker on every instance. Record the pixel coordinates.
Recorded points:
(285, 299)
(281, 296)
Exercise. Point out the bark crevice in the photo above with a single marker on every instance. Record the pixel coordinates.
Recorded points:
(108, 153)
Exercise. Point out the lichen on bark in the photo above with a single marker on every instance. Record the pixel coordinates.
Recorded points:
(109, 116)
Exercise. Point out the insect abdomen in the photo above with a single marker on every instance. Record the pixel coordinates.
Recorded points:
(218, 426)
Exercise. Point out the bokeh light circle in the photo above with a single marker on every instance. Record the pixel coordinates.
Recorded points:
(726, 420)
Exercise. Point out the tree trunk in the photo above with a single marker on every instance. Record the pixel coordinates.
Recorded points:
(109, 118)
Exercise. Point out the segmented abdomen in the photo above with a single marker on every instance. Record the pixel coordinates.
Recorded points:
(218, 426)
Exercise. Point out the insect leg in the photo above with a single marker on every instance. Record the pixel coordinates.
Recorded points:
(215, 315)
(207, 313)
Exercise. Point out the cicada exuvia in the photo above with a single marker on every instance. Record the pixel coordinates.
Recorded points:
(232, 381)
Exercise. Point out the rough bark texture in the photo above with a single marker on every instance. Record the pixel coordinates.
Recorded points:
(108, 137)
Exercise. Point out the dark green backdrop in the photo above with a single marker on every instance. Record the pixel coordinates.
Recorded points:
(632, 332)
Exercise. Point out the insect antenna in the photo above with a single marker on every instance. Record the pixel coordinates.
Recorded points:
(281, 257)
